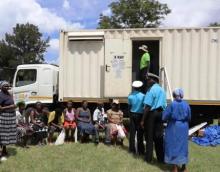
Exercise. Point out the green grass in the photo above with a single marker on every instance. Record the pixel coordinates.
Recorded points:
(77, 157)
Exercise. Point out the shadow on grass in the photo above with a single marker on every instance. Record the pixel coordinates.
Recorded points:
(162, 166)
(11, 151)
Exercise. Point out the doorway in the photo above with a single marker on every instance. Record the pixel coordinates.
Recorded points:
(154, 51)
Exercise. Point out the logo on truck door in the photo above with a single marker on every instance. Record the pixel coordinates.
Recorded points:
(118, 64)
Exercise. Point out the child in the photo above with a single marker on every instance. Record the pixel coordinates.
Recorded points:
(69, 120)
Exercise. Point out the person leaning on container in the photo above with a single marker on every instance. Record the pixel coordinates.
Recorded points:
(114, 129)
(177, 115)
(7, 119)
(136, 108)
(155, 103)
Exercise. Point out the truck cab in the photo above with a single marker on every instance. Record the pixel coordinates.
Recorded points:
(35, 82)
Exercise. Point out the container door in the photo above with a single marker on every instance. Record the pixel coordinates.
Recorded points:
(82, 71)
(118, 67)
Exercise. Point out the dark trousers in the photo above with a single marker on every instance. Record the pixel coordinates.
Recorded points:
(135, 120)
(142, 77)
(153, 128)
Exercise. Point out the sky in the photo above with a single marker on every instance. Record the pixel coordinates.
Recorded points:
(53, 15)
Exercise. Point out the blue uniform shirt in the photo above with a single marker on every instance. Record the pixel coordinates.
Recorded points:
(156, 97)
(135, 100)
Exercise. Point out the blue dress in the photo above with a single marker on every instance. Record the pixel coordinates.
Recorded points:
(177, 115)
(85, 127)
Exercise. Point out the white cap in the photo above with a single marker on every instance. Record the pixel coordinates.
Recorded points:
(144, 48)
(137, 84)
(116, 101)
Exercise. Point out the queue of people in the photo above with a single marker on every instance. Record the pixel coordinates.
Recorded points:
(148, 113)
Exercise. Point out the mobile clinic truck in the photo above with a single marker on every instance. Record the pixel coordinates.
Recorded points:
(101, 64)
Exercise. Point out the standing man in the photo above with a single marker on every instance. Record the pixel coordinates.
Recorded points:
(136, 108)
(144, 63)
(155, 103)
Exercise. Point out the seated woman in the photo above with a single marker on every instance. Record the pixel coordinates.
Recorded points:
(84, 124)
(55, 123)
(69, 120)
(39, 117)
(23, 126)
(114, 129)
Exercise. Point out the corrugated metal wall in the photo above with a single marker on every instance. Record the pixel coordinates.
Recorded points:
(81, 63)
(191, 57)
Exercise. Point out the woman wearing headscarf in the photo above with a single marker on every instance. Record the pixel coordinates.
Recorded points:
(7, 118)
(177, 115)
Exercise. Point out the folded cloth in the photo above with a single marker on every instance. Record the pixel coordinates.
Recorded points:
(211, 137)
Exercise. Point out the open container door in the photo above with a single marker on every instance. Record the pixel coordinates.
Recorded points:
(118, 67)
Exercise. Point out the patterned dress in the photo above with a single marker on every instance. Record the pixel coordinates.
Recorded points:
(23, 129)
(7, 121)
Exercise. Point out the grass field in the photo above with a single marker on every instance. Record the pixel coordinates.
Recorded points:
(77, 157)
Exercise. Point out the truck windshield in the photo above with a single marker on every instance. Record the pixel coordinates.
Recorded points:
(25, 77)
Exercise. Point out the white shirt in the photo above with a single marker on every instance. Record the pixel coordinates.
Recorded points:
(99, 115)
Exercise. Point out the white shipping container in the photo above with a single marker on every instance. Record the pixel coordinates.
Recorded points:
(101, 64)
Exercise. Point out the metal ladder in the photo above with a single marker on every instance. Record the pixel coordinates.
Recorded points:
(165, 82)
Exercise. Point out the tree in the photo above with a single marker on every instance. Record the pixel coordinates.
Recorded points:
(134, 14)
(215, 24)
(24, 46)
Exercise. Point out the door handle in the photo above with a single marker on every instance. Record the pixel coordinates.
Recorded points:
(33, 93)
(106, 68)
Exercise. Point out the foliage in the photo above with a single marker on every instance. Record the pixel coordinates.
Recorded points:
(215, 24)
(24, 46)
(134, 14)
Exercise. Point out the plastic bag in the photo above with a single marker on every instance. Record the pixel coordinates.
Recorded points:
(60, 138)
(121, 133)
